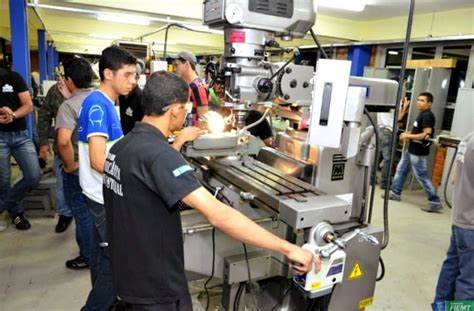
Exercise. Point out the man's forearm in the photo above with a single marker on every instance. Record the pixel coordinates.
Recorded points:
(236, 225)
(419, 136)
(97, 164)
(401, 114)
(23, 111)
(177, 144)
(66, 153)
(97, 152)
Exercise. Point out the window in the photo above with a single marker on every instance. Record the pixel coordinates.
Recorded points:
(423, 52)
(458, 74)
(393, 57)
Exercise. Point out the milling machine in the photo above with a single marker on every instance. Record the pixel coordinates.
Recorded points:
(327, 211)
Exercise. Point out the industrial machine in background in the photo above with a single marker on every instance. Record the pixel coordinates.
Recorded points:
(325, 209)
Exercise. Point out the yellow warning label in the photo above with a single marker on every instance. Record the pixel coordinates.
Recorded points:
(356, 272)
(315, 285)
(366, 302)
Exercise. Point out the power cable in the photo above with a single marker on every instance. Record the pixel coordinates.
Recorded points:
(373, 171)
(401, 78)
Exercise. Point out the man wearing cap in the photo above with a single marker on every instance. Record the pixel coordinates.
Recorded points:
(184, 65)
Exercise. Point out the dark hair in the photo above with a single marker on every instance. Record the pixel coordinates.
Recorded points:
(114, 58)
(428, 95)
(161, 90)
(182, 60)
(79, 71)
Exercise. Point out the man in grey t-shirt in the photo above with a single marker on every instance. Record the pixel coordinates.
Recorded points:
(463, 194)
(78, 77)
(456, 279)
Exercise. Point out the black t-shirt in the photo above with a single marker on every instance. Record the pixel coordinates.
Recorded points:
(262, 130)
(145, 179)
(130, 109)
(11, 83)
(424, 120)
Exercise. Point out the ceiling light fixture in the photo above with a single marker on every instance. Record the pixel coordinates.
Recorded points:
(104, 37)
(393, 52)
(124, 19)
(204, 28)
(353, 5)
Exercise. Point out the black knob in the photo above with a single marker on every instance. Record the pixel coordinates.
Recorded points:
(288, 70)
(232, 50)
(265, 85)
(305, 84)
(272, 43)
(286, 97)
(293, 83)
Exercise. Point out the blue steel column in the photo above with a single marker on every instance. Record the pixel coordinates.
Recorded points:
(20, 46)
(56, 58)
(360, 57)
(43, 67)
(50, 54)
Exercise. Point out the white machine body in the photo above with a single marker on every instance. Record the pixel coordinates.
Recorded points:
(332, 271)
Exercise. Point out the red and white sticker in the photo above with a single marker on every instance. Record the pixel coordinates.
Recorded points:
(237, 37)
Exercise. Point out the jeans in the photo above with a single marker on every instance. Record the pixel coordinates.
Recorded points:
(102, 294)
(419, 167)
(80, 211)
(62, 205)
(21, 147)
(385, 139)
(456, 279)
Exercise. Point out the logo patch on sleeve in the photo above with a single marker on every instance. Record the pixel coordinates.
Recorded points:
(96, 115)
(181, 170)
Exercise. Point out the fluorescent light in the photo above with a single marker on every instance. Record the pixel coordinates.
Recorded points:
(163, 43)
(124, 19)
(393, 52)
(444, 84)
(205, 29)
(104, 37)
(351, 5)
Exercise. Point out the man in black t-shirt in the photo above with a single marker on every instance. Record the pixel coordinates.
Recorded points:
(130, 109)
(15, 104)
(417, 154)
(130, 105)
(146, 181)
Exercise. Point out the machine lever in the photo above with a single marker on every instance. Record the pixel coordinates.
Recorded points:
(340, 243)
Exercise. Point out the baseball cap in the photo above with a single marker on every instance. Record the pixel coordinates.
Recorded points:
(140, 66)
(186, 56)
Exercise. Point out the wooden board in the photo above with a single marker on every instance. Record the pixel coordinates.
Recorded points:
(432, 63)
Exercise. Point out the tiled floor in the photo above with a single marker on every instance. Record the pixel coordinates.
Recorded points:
(33, 276)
